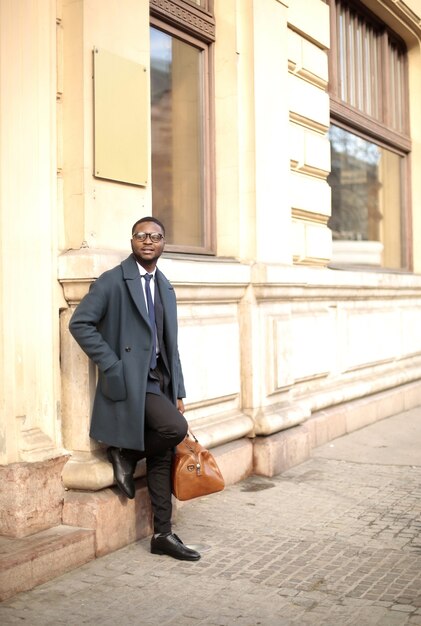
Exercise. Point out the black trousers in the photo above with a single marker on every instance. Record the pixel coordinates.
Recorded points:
(165, 427)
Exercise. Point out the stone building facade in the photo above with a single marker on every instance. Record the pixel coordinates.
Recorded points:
(292, 331)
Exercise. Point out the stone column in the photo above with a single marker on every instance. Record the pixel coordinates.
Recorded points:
(97, 213)
(88, 468)
(273, 216)
(31, 454)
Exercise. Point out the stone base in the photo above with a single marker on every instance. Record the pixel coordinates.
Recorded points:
(97, 523)
(116, 520)
(277, 453)
(235, 460)
(31, 561)
(31, 496)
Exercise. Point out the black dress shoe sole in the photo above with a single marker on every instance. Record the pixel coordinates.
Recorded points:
(180, 557)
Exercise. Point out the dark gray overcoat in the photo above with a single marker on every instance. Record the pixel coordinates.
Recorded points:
(112, 327)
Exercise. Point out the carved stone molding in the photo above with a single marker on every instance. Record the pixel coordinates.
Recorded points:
(185, 16)
(308, 123)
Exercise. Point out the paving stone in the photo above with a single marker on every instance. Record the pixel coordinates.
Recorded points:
(328, 542)
(405, 608)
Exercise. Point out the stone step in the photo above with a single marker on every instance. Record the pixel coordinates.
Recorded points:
(33, 560)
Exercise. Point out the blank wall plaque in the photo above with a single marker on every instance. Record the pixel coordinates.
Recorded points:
(120, 119)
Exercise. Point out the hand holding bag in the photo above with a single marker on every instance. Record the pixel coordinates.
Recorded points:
(195, 472)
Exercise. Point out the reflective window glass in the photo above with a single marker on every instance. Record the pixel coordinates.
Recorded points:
(177, 127)
(366, 200)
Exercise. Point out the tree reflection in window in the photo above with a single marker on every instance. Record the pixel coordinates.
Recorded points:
(355, 185)
(366, 189)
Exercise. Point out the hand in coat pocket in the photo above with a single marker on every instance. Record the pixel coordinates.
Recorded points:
(113, 385)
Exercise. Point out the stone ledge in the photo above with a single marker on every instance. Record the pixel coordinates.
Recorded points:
(116, 520)
(31, 496)
(275, 454)
(345, 418)
(31, 561)
(235, 460)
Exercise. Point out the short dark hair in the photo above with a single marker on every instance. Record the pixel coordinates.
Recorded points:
(149, 219)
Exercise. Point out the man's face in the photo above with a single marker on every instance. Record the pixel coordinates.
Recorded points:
(147, 252)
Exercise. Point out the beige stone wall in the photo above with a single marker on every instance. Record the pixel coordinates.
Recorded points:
(266, 339)
(271, 77)
(309, 150)
(97, 213)
(30, 413)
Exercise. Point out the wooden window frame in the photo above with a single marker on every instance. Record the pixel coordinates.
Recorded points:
(379, 129)
(350, 118)
(196, 26)
(186, 16)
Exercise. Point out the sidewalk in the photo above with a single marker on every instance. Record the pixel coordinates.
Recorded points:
(334, 541)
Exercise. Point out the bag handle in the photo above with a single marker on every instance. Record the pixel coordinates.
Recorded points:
(193, 451)
(191, 434)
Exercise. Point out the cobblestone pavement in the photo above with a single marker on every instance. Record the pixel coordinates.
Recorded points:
(328, 543)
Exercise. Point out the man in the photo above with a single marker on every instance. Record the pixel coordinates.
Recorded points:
(127, 325)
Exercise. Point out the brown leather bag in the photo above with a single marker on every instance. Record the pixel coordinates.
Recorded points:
(195, 472)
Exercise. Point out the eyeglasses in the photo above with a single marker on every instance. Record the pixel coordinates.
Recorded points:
(154, 237)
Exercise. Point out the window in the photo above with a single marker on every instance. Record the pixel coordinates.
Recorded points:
(181, 124)
(370, 141)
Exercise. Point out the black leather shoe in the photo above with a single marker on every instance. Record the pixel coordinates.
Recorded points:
(173, 546)
(123, 471)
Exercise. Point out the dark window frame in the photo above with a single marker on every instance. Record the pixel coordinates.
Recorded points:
(352, 119)
(187, 16)
(196, 26)
(341, 109)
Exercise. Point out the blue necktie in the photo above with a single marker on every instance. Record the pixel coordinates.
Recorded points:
(151, 312)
